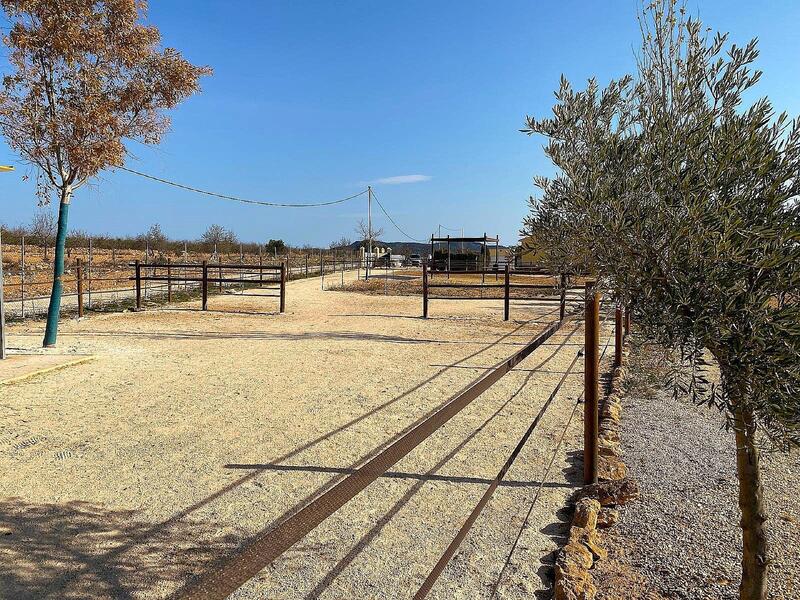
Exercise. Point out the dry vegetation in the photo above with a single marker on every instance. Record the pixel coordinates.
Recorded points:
(111, 267)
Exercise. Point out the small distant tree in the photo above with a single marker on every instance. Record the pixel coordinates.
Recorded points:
(43, 228)
(364, 233)
(342, 243)
(216, 236)
(684, 204)
(275, 247)
(154, 238)
(85, 76)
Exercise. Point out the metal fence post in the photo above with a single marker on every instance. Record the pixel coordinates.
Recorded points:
(448, 256)
(204, 285)
(322, 270)
(591, 370)
(507, 286)
(138, 274)
(306, 266)
(79, 278)
(618, 336)
(89, 275)
(22, 280)
(219, 260)
(2, 305)
(496, 255)
(260, 269)
(563, 307)
(424, 290)
(169, 280)
(283, 287)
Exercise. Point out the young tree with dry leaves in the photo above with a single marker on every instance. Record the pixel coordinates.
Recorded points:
(86, 76)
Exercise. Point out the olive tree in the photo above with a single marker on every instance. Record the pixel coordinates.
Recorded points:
(86, 75)
(687, 204)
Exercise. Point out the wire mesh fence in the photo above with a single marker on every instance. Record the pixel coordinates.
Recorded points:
(105, 275)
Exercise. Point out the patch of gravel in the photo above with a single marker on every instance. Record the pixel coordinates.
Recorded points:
(683, 537)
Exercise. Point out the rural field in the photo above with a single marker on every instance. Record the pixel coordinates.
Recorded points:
(391, 301)
(191, 433)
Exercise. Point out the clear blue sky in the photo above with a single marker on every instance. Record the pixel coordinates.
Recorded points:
(311, 100)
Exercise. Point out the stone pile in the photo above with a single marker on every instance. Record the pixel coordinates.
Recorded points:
(595, 504)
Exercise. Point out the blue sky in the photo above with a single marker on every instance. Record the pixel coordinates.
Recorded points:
(311, 100)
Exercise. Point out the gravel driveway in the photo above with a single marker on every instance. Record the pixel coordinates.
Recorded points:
(682, 540)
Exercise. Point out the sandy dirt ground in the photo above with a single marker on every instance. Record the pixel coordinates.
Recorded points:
(192, 432)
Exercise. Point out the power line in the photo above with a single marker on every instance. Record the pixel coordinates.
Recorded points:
(392, 220)
(238, 199)
(450, 228)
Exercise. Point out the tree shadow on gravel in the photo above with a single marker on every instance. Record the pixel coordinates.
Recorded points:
(334, 336)
(68, 551)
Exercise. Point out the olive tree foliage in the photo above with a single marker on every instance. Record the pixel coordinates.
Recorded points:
(84, 77)
(683, 202)
(686, 205)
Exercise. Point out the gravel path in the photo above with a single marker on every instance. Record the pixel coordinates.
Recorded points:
(192, 432)
(683, 539)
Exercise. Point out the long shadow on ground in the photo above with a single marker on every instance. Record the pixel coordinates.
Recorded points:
(62, 550)
(153, 535)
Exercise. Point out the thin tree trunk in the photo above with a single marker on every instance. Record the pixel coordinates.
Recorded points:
(751, 504)
(54, 309)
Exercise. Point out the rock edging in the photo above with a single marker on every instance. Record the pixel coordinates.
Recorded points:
(594, 504)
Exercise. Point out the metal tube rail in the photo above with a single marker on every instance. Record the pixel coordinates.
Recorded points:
(230, 574)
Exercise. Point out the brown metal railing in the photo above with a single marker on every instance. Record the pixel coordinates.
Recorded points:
(507, 286)
(256, 276)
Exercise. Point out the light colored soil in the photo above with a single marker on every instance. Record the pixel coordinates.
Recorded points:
(21, 366)
(191, 432)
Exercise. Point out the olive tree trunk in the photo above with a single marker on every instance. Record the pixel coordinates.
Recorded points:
(751, 505)
(54, 308)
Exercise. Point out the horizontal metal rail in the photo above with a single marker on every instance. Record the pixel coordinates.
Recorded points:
(507, 286)
(465, 297)
(467, 272)
(181, 279)
(248, 275)
(462, 533)
(237, 569)
(465, 285)
(243, 266)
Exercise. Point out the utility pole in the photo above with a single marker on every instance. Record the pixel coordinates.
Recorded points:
(369, 226)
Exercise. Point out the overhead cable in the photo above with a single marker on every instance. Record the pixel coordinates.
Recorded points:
(237, 198)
